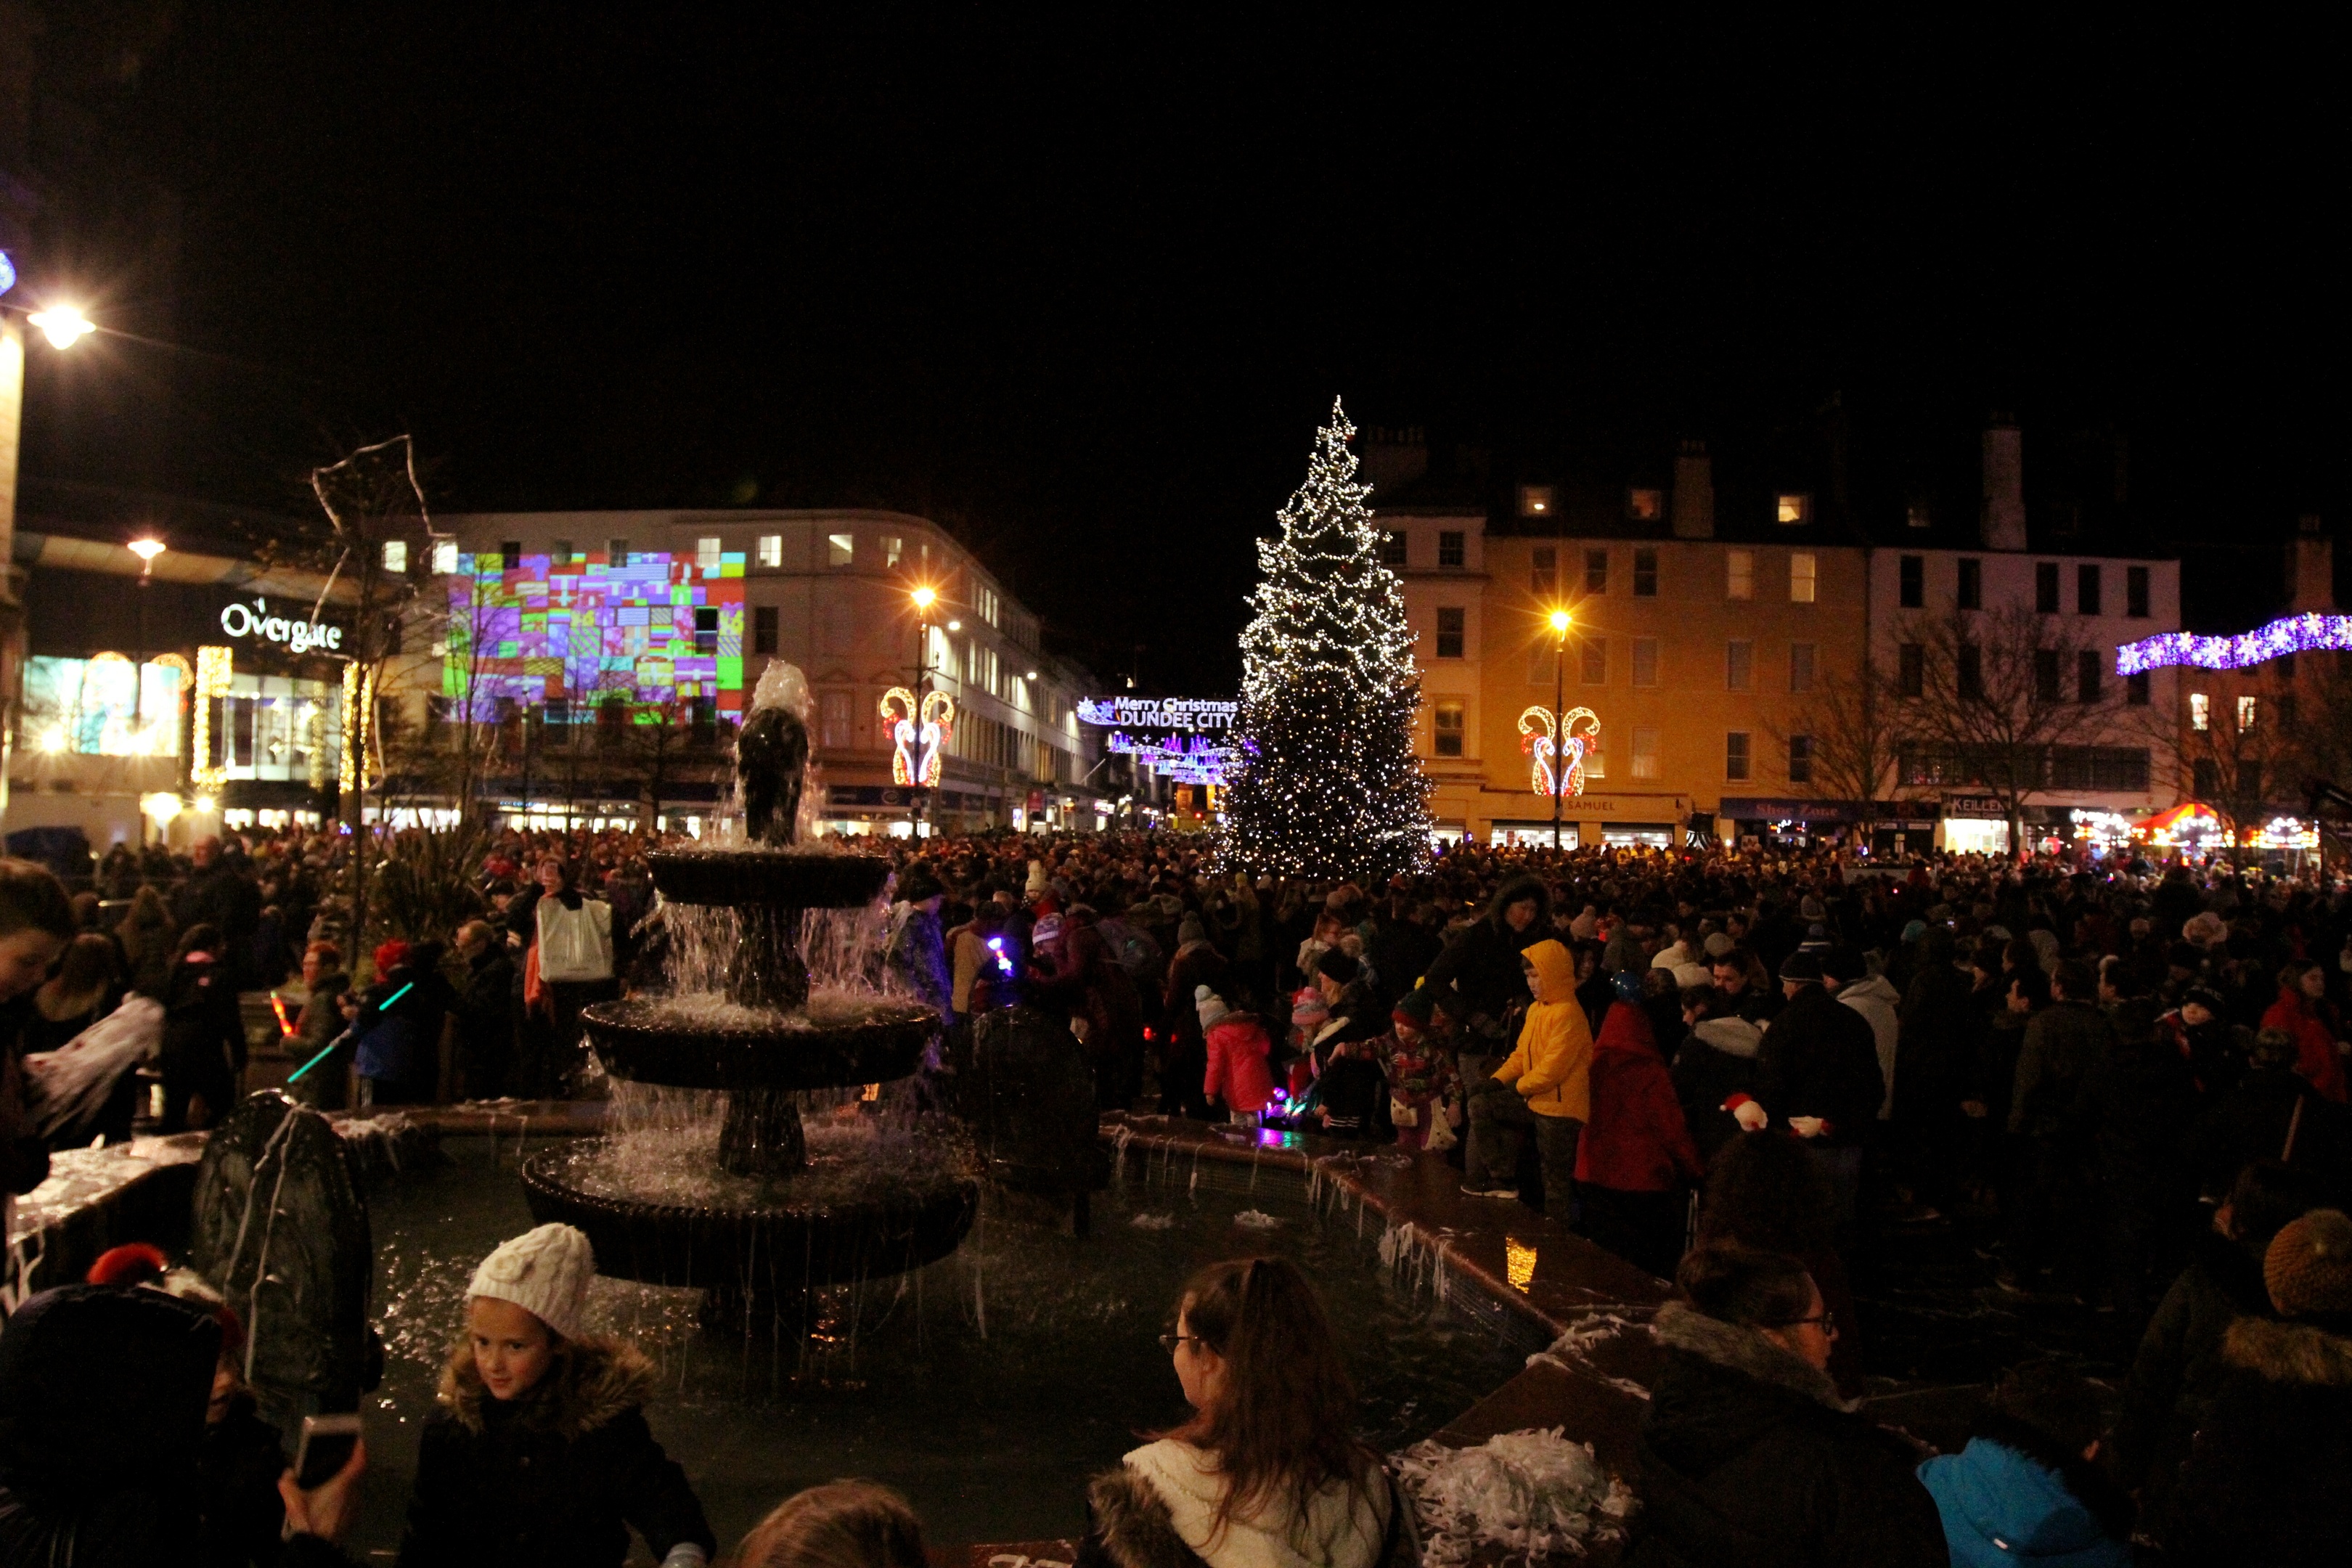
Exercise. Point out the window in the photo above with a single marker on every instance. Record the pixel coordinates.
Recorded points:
(1645, 573)
(2045, 587)
(1645, 505)
(1911, 671)
(2087, 589)
(1535, 500)
(2285, 703)
(2136, 690)
(2135, 592)
(2208, 778)
(1734, 756)
(771, 550)
(1801, 666)
(1738, 665)
(1802, 567)
(2247, 708)
(763, 630)
(511, 555)
(395, 555)
(1971, 584)
(706, 553)
(1912, 581)
(892, 547)
(1596, 760)
(1645, 661)
(1918, 515)
(989, 605)
(2284, 664)
(1969, 672)
(1645, 752)
(840, 549)
(1596, 571)
(1801, 759)
(617, 553)
(1791, 509)
(1450, 623)
(2200, 711)
(445, 557)
(1393, 544)
(2045, 675)
(833, 713)
(706, 630)
(1451, 551)
(1448, 730)
(1596, 661)
(1739, 574)
(2089, 674)
(561, 554)
(1543, 575)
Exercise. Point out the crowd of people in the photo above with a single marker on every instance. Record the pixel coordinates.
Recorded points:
(2125, 1079)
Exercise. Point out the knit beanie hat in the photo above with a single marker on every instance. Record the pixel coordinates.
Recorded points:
(1190, 930)
(2308, 1266)
(1308, 1010)
(1209, 1004)
(545, 1272)
(1337, 965)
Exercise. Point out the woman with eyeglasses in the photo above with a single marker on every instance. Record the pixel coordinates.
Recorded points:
(1267, 1474)
(1748, 1453)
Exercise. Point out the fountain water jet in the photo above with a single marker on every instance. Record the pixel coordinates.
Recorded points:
(765, 1213)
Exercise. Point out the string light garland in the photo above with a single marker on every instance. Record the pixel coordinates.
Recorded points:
(1583, 726)
(919, 734)
(215, 668)
(1324, 781)
(2289, 634)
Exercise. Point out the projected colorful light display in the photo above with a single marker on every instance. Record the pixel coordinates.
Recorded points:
(652, 629)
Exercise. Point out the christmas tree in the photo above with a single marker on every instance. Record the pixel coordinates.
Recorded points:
(1325, 782)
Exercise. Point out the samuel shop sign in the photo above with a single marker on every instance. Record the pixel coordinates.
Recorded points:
(254, 623)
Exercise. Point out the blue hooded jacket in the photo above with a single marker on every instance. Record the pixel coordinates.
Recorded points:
(2000, 1507)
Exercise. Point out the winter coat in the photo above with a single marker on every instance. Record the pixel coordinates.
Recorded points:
(1195, 964)
(1482, 963)
(1087, 981)
(398, 1026)
(1716, 1062)
(1422, 1081)
(1877, 1003)
(1157, 1509)
(2178, 1370)
(552, 1479)
(2006, 1500)
(243, 1457)
(1552, 1065)
(2264, 1483)
(2063, 1043)
(2136, 1106)
(203, 1032)
(1237, 1047)
(2314, 1028)
(1820, 1059)
(1748, 1456)
(918, 955)
(485, 1015)
(1637, 1141)
(1934, 1055)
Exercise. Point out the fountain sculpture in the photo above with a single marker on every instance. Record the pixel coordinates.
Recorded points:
(770, 1209)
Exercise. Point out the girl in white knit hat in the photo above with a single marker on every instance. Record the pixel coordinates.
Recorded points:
(540, 1453)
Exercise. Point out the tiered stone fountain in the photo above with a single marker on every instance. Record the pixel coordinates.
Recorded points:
(767, 1211)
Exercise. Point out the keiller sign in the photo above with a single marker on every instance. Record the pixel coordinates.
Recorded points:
(255, 623)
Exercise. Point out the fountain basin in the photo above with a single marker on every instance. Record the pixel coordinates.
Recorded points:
(803, 879)
(706, 1042)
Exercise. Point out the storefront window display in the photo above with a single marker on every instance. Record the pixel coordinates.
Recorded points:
(103, 706)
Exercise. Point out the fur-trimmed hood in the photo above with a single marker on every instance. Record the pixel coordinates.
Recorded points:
(1151, 1511)
(1733, 1035)
(592, 1381)
(1744, 1351)
(2291, 1352)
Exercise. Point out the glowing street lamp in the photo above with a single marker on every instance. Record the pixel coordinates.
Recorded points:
(147, 550)
(63, 325)
(924, 598)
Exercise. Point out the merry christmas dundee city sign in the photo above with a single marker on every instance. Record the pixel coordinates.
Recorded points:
(1184, 737)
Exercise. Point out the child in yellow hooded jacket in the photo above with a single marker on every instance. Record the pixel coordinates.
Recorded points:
(1552, 1072)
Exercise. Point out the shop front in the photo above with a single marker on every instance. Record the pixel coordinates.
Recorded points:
(1592, 820)
(1974, 824)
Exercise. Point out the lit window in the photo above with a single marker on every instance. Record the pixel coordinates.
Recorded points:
(1738, 665)
(1801, 666)
(2245, 713)
(1543, 575)
(1645, 753)
(1596, 760)
(1916, 515)
(1736, 756)
(1801, 759)
(1450, 548)
(771, 550)
(840, 549)
(562, 552)
(1392, 547)
(835, 713)
(1802, 568)
(1645, 661)
(445, 557)
(1792, 508)
(893, 546)
(1645, 573)
(1739, 574)
(1448, 729)
(1451, 620)
(395, 555)
(1535, 500)
(2201, 713)
(1645, 506)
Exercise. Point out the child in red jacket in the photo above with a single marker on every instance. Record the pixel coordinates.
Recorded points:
(1636, 1158)
(1237, 1046)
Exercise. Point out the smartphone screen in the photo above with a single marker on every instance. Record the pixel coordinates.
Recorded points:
(326, 1448)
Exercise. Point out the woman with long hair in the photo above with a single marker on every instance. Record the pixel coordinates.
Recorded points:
(1267, 1474)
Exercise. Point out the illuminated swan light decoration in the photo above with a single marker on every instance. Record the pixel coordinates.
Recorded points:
(919, 732)
(1583, 726)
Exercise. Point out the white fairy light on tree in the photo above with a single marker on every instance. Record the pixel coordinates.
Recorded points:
(1325, 781)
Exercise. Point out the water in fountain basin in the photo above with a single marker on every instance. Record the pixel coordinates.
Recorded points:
(662, 1147)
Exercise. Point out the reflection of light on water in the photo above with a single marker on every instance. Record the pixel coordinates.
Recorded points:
(1268, 1137)
(1519, 1263)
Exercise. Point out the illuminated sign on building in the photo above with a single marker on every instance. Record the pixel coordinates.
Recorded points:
(254, 620)
(1170, 736)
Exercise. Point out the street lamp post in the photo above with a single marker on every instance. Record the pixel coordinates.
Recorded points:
(1559, 619)
(924, 598)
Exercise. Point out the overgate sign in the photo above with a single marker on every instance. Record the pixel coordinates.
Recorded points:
(254, 622)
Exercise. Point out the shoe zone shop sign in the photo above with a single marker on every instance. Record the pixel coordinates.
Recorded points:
(1187, 738)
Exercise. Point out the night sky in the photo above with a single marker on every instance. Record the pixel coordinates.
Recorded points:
(1082, 285)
